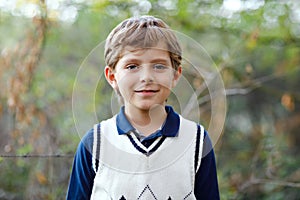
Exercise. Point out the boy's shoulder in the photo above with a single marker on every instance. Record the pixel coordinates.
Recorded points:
(89, 135)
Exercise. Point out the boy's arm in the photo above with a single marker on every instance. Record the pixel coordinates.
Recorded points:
(206, 182)
(82, 176)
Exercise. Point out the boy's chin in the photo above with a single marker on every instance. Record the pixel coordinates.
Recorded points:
(150, 107)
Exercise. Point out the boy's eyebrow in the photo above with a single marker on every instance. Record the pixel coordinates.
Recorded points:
(159, 60)
(132, 60)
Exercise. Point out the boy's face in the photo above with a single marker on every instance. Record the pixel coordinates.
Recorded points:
(143, 77)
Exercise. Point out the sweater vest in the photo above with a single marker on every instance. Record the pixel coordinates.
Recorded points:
(127, 170)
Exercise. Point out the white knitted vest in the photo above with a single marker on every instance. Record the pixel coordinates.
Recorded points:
(127, 174)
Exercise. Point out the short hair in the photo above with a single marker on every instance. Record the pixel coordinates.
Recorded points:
(141, 32)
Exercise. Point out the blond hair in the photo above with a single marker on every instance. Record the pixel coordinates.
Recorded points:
(141, 32)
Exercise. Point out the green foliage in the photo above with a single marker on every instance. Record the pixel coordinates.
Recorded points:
(26, 149)
(15, 177)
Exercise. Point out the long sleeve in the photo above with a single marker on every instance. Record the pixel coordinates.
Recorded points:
(206, 182)
(82, 176)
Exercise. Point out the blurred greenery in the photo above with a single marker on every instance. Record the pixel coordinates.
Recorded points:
(255, 44)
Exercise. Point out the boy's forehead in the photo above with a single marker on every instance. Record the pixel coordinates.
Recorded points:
(145, 53)
(140, 50)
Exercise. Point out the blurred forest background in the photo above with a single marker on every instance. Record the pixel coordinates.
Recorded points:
(255, 44)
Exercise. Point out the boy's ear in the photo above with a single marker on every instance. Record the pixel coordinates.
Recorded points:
(110, 76)
(177, 75)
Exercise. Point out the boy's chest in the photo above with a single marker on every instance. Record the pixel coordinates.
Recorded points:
(130, 170)
(133, 175)
(124, 151)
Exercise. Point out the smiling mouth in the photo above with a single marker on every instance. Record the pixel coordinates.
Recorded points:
(146, 91)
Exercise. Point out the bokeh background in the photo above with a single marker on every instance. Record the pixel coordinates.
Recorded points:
(254, 43)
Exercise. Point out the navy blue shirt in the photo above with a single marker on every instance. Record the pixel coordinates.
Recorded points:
(82, 176)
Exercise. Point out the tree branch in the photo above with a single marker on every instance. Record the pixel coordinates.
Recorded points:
(255, 181)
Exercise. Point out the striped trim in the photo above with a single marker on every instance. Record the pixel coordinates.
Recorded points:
(157, 145)
(142, 150)
(199, 147)
(96, 147)
(136, 145)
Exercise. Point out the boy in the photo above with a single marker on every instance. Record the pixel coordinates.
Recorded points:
(147, 151)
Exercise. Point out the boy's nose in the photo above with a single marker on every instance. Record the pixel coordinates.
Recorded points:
(146, 74)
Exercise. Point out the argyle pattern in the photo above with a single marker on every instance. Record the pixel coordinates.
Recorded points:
(148, 190)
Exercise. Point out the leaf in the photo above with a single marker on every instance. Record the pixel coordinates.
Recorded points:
(25, 149)
(41, 178)
(288, 102)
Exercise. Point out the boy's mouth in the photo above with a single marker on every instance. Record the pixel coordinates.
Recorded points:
(146, 91)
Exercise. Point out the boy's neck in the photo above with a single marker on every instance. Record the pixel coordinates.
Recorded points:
(146, 121)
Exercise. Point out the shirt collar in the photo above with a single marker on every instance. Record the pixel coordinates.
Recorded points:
(169, 129)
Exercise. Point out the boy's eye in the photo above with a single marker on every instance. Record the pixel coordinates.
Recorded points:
(131, 67)
(160, 67)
